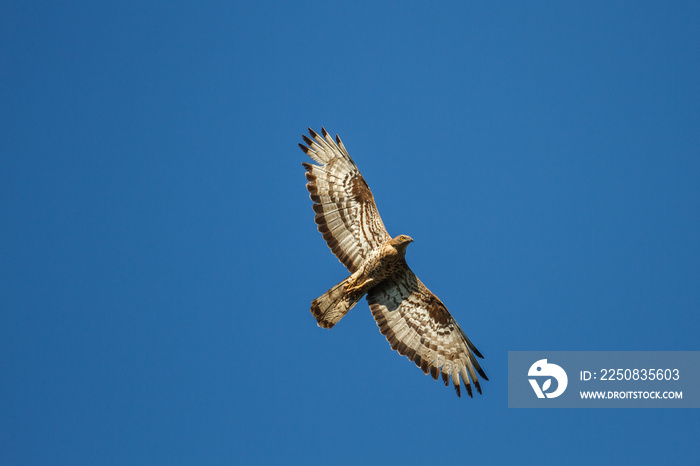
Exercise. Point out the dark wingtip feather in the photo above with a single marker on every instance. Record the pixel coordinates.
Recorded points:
(306, 139)
(479, 369)
(469, 389)
(304, 148)
(324, 132)
(445, 379)
(458, 390)
(478, 387)
(312, 133)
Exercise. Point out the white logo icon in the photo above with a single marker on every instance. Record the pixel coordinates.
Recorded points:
(543, 369)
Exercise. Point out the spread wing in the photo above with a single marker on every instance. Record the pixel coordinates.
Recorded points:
(345, 211)
(419, 326)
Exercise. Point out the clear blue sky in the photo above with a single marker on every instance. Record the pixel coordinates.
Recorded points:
(158, 253)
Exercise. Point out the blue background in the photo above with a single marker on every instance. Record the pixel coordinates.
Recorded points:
(158, 253)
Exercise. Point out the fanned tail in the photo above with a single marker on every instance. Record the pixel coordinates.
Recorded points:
(332, 306)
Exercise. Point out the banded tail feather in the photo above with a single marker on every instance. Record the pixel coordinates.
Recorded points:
(332, 306)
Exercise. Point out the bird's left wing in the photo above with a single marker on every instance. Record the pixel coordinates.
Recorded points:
(419, 326)
(346, 214)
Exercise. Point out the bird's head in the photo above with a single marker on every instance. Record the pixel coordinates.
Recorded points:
(401, 242)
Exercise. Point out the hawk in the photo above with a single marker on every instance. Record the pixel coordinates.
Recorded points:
(414, 321)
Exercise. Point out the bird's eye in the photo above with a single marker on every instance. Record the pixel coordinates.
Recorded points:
(401, 238)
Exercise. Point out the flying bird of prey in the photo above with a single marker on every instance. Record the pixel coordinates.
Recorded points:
(413, 319)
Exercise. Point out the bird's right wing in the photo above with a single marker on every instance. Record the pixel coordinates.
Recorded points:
(346, 214)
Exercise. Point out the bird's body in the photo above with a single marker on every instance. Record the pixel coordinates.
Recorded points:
(381, 263)
(415, 322)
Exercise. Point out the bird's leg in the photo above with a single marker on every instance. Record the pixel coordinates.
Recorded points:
(353, 287)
